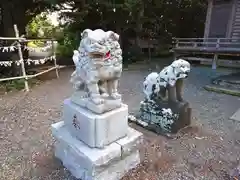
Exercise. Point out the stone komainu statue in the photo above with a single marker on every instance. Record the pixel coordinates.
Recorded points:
(98, 62)
(170, 79)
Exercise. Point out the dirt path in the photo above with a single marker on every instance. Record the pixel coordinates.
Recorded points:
(210, 149)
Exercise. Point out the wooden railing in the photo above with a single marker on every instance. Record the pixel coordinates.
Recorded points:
(207, 43)
(214, 46)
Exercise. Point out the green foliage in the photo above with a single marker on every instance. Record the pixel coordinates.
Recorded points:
(20, 13)
(40, 26)
(15, 84)
(160, 20)
(132, 54)
(163, 51)
(36, 43)
(67, 43)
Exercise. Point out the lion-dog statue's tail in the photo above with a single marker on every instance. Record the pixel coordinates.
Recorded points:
(77, 82)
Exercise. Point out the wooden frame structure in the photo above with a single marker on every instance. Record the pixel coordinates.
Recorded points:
(213, 46)
(222, 19)
(221, 35)
(24, 76)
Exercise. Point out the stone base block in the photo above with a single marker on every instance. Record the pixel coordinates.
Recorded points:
(108, 105)
(130, 143)
(165, 118)
(110, 163)
(93, 129)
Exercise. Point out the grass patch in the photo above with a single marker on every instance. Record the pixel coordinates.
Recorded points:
(222, 90)
(17, 85)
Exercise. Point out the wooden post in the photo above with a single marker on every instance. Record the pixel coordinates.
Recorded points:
(208, 19)
(21, 58)
(54, 58)
(214, 62)
(176, 43)
(149, 51)
(218, 43)
(195, 44)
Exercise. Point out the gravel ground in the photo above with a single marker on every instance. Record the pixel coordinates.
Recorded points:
(208, 150)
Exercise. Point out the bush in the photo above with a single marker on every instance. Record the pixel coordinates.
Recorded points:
(132, 54)
(67, 43)
(17, 84)
(40, 26)
(35, 44)
(163, 51)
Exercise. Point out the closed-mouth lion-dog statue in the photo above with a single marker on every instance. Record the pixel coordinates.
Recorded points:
(170, 79)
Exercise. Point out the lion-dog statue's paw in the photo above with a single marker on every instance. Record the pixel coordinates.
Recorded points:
(97, 100)
(116, 95)
(104, 95)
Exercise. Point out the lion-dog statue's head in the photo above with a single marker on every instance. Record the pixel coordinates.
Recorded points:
(100, 46)
(181, 68)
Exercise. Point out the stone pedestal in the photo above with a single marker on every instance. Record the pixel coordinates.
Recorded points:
(164, 118)
(95, 130)
(96, 146)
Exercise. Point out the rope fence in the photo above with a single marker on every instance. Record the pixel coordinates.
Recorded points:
(17, 45)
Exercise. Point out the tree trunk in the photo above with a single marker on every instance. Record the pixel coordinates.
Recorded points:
(139, 24)
(11, 16)
(149, 51)
(119, 31)
(7, 19)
